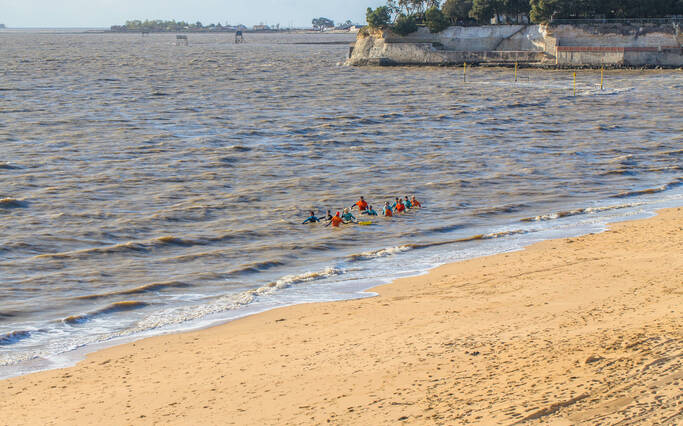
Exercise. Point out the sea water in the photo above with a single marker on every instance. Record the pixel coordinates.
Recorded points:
(148, 188)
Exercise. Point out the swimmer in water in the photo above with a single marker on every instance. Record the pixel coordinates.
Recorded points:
(387, 210)
(400, 207)
(348, 217)
(311, 218)
(329, 215)
(335, 221)
(407, 203)
(371, 211)
(362, 205)
(415, 203)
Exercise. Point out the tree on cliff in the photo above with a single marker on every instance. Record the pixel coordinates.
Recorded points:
(458, 11)
(412, 7)
(378, 18)
(505, 11)
(435, 19)
(483, 10)
(545, 10)
(404, 25)
(514, 9)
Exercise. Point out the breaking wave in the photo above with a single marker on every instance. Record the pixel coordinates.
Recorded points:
(137, 290)
(575, 212)
(668, 186)
(13, 337)
(379, 253)
(181, 315)
(110, 309)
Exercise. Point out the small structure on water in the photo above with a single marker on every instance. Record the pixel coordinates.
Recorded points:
(181, 39)
(239, 38)
(144, 33)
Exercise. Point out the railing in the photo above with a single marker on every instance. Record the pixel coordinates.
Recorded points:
(670, 20)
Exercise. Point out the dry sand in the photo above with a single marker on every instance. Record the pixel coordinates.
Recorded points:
(579, 330)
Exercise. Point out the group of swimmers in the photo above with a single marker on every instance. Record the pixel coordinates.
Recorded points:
(398, 207)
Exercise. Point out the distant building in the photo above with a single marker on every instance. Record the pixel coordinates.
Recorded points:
(260, 27)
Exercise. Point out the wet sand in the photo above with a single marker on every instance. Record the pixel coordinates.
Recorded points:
(585, 329)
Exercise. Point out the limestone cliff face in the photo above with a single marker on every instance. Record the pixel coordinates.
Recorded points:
(383, 45)
(493, 43)
(532, 44)
(615, 35)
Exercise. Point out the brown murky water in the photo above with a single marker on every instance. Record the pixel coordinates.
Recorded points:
(147, 186)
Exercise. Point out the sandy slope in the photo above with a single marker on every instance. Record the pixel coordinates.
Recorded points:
(568, 331)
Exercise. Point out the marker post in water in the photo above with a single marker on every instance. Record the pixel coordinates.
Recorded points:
(515, 72)
(574, 74)
(602, 78)
(464, 72)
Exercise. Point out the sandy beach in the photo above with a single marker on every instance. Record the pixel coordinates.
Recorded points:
(568, 331)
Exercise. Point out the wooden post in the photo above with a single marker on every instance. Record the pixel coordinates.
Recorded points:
(464, 72)
(574, 83)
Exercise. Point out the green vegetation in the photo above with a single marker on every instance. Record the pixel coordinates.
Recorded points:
(435, 20)
(458, 11)
(159, 26)
(438, 14)
(545, 10)
(404, 25)
(378, 18)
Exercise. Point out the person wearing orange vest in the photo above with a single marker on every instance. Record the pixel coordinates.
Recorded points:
(415, 203)
(362, 205)
(387, 210)
(400, 207)
(335, 221)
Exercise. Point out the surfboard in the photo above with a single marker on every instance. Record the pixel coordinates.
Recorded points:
(365, 223)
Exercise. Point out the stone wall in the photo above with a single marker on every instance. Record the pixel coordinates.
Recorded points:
(616, 35)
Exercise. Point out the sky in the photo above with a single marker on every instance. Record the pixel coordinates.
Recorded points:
(104, 13)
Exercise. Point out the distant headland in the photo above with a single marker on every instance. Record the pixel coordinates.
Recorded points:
(525, 32)
(160, 26)
(2, 26)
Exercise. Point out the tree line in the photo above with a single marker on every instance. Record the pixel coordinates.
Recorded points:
(405, 15)
(158, 26)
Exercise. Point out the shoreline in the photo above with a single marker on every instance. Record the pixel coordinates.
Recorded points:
(423, 350)
(71, 357)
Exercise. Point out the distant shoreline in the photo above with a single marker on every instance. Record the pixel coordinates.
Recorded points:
(96, 30)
